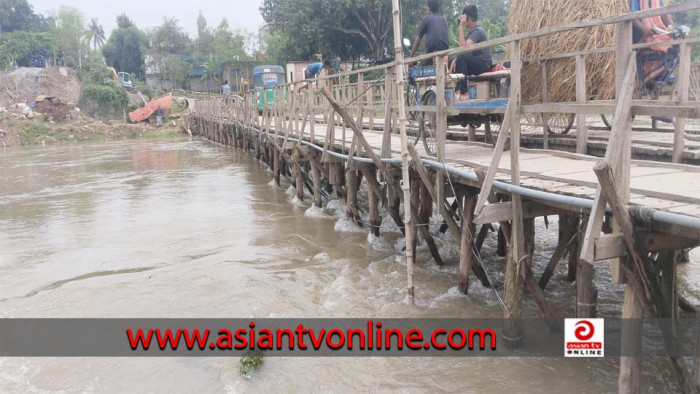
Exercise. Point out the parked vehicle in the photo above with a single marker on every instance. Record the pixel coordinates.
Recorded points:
(265, 78)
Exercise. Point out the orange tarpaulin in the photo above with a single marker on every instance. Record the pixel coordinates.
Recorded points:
(143, 113)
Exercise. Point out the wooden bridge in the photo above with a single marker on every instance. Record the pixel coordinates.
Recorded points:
(641, 216)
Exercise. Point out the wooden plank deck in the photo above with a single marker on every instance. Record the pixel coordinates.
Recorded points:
(662, 186)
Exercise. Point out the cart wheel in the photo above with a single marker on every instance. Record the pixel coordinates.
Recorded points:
(608, 120)
(560, 123)
(428, 124)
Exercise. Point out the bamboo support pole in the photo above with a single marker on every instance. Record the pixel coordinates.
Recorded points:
(406, 180)
(466, 256)
(581, 97)
(514, 283)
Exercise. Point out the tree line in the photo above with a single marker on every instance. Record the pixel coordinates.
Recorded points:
(358, 29)
(67, 38)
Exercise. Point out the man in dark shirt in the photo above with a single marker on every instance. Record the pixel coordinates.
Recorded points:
(434, 29)
(476, 62)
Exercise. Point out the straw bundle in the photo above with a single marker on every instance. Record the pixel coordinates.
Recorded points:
(532, 15)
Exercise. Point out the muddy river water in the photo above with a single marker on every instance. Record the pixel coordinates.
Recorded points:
(186, 228)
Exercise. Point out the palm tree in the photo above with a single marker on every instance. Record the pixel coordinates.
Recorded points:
(95, 33)
(209, 69)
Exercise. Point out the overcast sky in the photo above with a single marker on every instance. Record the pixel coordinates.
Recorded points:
(149, 13)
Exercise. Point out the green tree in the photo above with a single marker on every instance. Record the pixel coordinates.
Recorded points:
(201, 25)
(125, 48)
(18, 15)
(95, 33)
(345, 28)
(275, 46)
(68, 33)
(123, 22)
(170, 37)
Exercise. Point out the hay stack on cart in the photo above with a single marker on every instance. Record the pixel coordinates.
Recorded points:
(532, 15)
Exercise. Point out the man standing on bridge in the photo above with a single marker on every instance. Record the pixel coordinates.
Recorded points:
(313, 71)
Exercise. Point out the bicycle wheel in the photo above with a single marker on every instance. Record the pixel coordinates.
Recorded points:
(412, 102)
(428, 124)
(560, 123)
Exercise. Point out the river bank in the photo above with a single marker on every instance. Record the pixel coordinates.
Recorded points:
(17, 128)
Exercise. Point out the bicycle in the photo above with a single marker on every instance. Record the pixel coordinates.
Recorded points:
(427, 120)
(661, 82)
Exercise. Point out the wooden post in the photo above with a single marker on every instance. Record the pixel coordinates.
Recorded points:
(441, 126)
(425, 212)
(502, 246)
(466, 256)
(344, 82)
(642, 283)
(312, 116)
(545, 98)
(374, 216)
(371, 103)
(406, 180)
(623, 55)
(360, 97)
(472, 133)
(574, 243)
(514, 279)
(629, 379)
(299, 177)
(351, 194)
(581, 97)
(622, 125)
(386, 141)
(683, 90)
(316, 175)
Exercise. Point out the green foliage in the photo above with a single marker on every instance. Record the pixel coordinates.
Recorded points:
(125, 48)
(95, 70)
(356, 29)
(123, 22)
(173, 55)
(349, 29)
(68, 33)
(251, 363)
(276, 44)
(18, 15)
(104, 100)
(20, 46)
(170, 37)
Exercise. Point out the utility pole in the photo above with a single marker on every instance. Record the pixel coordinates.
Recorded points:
(406, 180)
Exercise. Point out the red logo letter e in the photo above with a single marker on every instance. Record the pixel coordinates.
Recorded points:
(584, 330)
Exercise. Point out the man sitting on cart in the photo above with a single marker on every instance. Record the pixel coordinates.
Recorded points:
(476, 62)
(434, 29)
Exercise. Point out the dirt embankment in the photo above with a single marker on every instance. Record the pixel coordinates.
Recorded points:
(19, 127)
(38, 106)
(25, 84)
